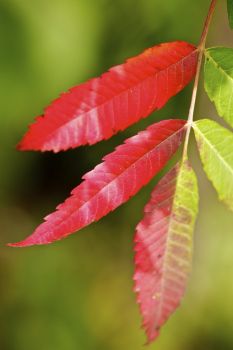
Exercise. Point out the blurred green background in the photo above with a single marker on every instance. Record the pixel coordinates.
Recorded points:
(77, 293)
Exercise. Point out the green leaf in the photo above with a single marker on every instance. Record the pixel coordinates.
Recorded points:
(230, 12)
(215, 144)
(219, 80)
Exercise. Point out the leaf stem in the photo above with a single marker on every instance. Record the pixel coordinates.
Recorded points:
(201, 49)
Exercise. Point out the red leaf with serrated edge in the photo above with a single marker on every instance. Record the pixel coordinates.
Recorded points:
(99, 108)
(164, 247)
(113, 182)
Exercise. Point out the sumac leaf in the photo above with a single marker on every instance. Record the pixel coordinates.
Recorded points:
(99, 108)
(215, 144)
(113, 182)
(219, 80)
(164, 247)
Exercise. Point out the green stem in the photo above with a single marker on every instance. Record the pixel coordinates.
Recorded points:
(201, 49)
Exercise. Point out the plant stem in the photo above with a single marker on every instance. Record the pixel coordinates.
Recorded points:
(201, 49)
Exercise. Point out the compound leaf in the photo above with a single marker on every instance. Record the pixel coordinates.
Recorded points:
(215, 145)
(99, 108)
(219, 80)
(164, 247)
(113, 182)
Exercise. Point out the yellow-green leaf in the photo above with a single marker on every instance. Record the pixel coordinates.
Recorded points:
(215, 145)
(219, 80)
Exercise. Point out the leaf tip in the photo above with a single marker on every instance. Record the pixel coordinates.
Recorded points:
(20, 244)
(21, 147)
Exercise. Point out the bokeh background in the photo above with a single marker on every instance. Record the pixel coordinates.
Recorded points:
(77, 293)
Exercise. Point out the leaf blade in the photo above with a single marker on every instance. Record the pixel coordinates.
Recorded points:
(164, 247)
(215, 144)
(97, 109)
(219, 80)
(113, 182)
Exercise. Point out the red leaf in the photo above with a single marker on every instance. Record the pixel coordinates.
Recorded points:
(113, 182)
(164, 247)
(99, 108)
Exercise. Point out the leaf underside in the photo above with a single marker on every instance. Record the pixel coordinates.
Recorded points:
(99, 108)
(215, 144)
(164, 247)
(230, 12)
(113, 182)
(219, 80)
